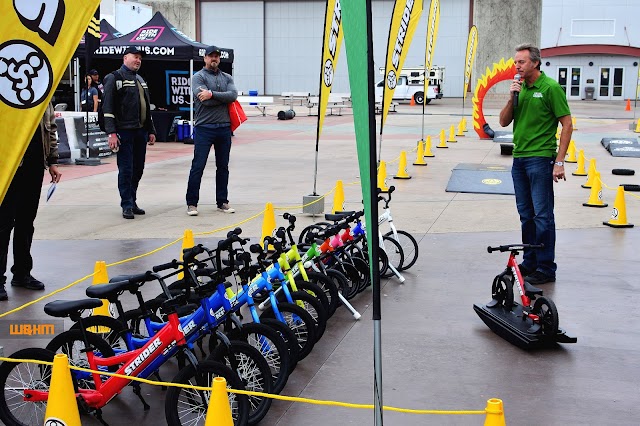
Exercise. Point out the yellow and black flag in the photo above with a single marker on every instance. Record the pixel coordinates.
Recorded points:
(92, 39)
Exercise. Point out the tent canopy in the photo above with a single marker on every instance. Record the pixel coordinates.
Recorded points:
(160, 40)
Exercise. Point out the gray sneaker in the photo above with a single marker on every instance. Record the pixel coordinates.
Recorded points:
(192, 210)
(224, 208)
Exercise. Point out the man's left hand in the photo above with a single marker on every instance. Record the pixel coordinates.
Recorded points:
(55, 173)
(152, 139)
(558, 173)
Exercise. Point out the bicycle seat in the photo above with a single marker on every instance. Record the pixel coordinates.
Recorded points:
(70, 308)
(110, 291)
(337, 216)
(531, 291)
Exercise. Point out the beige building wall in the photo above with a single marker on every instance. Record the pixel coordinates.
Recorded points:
(181, 13)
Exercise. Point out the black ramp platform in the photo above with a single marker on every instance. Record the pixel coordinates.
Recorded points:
(502, 136)
(481, 179)
(622, 147)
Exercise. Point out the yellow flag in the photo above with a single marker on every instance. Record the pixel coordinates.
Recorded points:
(406, 14)
(472, 46)
(432, 35)
(37, 41)
(330, 53)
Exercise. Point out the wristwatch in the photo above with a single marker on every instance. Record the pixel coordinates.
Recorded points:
(559, 163)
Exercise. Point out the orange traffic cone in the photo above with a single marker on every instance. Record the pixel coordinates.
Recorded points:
(412, 102)
(580, 171)
(595, 197)
(628, 107)
(619, 213)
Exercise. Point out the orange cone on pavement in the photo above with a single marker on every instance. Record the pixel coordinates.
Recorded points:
(619, 213)
(628, 107)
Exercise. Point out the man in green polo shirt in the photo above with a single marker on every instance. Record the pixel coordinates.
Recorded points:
(538, 161)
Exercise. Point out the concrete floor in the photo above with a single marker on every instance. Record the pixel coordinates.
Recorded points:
(437, 354)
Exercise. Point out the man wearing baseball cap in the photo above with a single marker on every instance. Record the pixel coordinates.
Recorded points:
(127, 121)
(213, 91)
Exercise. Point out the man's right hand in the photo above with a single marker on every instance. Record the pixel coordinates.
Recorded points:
(114, 142)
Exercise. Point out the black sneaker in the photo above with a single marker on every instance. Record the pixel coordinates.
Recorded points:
(3, 293)
(28, 282)
(538, 278)
(127, 213)
(137, 210)
(524, 270)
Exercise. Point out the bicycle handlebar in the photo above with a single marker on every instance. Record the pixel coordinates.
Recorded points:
(170, 265)
(509, 247)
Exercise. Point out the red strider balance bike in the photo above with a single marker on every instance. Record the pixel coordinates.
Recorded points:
(530, 325)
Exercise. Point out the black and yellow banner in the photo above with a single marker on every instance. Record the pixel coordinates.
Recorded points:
(37, 41)
(92, 39)
(432, 35)
(404, 21)
(472, 46)
(330, 52)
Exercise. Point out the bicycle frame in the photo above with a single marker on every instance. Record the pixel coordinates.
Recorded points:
(512, 265)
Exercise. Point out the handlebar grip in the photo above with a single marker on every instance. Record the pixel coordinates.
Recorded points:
(255, 248)
(170, 265)
(188, 255)
(141, 278)
(391, 189)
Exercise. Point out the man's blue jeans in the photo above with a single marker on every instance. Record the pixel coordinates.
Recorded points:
(220, 138)
(533, 184)
(131, 157)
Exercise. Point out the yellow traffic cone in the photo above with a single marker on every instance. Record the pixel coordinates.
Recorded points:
(460, 131)
(443, 143)
(382, 176)
(637, 130)
(402, 167)
(595, 197)
(219, 411)
(452, 134)
(62, 408)
(591, 174)
(427, 147)
(495, 413)
(100, 277)
(420, 155)
(573, 123)
(619, 213)
(187, 243)
(338, 197)
(464, 124)
(580, 171)
(268, 222)
(571, 152)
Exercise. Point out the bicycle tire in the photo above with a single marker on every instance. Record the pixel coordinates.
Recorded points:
(108, 328)
(272, 347)
(339, 280)
(315, 291)
(310, 230)
(502, 290)
(197, 401)
(548, 314)
(289, 337)
(314, 308)
(19, 375)
(254, 372)
(329, 288)
(394, 253)
(300, 322)
(409, 247)
(365, 275)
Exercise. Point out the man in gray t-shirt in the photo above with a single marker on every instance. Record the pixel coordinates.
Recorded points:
(213, 91)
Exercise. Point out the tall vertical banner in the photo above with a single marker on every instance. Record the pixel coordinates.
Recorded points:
(359, 46)
(472, 46)
(404, 21)
(330, 52)
(37, 40)
(432, 34)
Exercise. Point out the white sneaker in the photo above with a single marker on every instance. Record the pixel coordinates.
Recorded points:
(192, 211)
(224, 208)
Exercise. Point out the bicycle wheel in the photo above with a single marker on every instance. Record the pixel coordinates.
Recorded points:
(71, 343)
(329, 288)
(272, 347)
(15, 379)
(363, 270)
(109, 329)
(502, 290)
(314, 308)
(254, 372)
(315, 291)
(289, 337)
(548, 314)
(308, 234)
(188, 407)
(341, 282)
(395, 254)
(300, 322)
(409, 247)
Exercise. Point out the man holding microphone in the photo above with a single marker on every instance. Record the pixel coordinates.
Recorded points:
(536, 106)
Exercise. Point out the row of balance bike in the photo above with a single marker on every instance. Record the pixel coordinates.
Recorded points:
(287, 290)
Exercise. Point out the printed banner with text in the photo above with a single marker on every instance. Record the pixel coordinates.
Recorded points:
(37, 40)
(472, 46)
(330, 53)
(432, 36)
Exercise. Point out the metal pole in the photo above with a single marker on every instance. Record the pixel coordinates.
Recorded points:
(191, 97)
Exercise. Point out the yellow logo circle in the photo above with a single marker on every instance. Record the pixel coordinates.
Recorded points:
(491, 181)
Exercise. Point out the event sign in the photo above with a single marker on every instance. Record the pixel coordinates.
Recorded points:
(330, 53)
(37, 40)
(432, 35)
(472, 46)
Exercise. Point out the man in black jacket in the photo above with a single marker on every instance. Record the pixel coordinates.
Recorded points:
(127, 120)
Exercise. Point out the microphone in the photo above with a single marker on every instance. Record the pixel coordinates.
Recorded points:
(514, 93)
